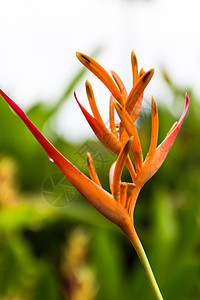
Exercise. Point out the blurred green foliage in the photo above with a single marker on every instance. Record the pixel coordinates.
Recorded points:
(69, 251)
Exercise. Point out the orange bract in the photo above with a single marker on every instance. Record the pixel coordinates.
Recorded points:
(128, 107)
(119, 205)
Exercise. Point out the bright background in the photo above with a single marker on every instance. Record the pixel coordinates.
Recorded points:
(39, 40)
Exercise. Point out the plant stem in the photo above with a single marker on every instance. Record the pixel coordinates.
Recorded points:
(135, 241)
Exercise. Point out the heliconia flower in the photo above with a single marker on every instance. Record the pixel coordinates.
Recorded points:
(118, 205)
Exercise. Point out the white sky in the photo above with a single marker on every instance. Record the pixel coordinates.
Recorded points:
(39, 39)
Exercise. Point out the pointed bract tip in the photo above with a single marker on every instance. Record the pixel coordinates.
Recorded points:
(88, 88)
(148, 74)
(78, 55)
(152, 70)
(76, 98)
(128, 144)
(117, 105)
(153, 106)
(88, 157)
(83, 57)
(187, 102)
(134, 58)
(187, 98)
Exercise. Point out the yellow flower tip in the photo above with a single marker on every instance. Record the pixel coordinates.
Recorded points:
(88, 89)
(88, 156)
(154, 109)
(141, 73)
(130, 188)
(148, 75)
(172, 128)
(123, 186)
(154, 129)
(134, 67)
(133, 58)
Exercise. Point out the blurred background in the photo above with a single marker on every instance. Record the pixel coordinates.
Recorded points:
(53, 244)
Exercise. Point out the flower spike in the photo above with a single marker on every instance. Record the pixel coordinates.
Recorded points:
(118, 207)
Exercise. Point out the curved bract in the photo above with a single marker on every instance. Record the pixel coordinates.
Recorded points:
(118, 205)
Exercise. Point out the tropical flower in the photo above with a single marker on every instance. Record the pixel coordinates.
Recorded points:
(117, 206)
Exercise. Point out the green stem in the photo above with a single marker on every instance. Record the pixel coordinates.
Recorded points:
(135, 241)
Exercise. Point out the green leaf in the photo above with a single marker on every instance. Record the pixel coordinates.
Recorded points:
(109, 265)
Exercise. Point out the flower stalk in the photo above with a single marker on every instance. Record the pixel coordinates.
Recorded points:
(135, 241)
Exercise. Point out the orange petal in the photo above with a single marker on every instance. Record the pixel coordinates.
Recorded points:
(130, 190)
(131, 169)
(93, 193)
(112, 168)
(112, 117)
(101, 73)
(123, 193)
(141, 73)
(154, 129)
(172, 128)
(91, 169)
(123, 135)
(120, 84)
(137, 108)
(153, 162)
(100, 130)
(119, 167)
(132, 131)
(92, 102)
(137, 90)
(106, 137)
(134, 67)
